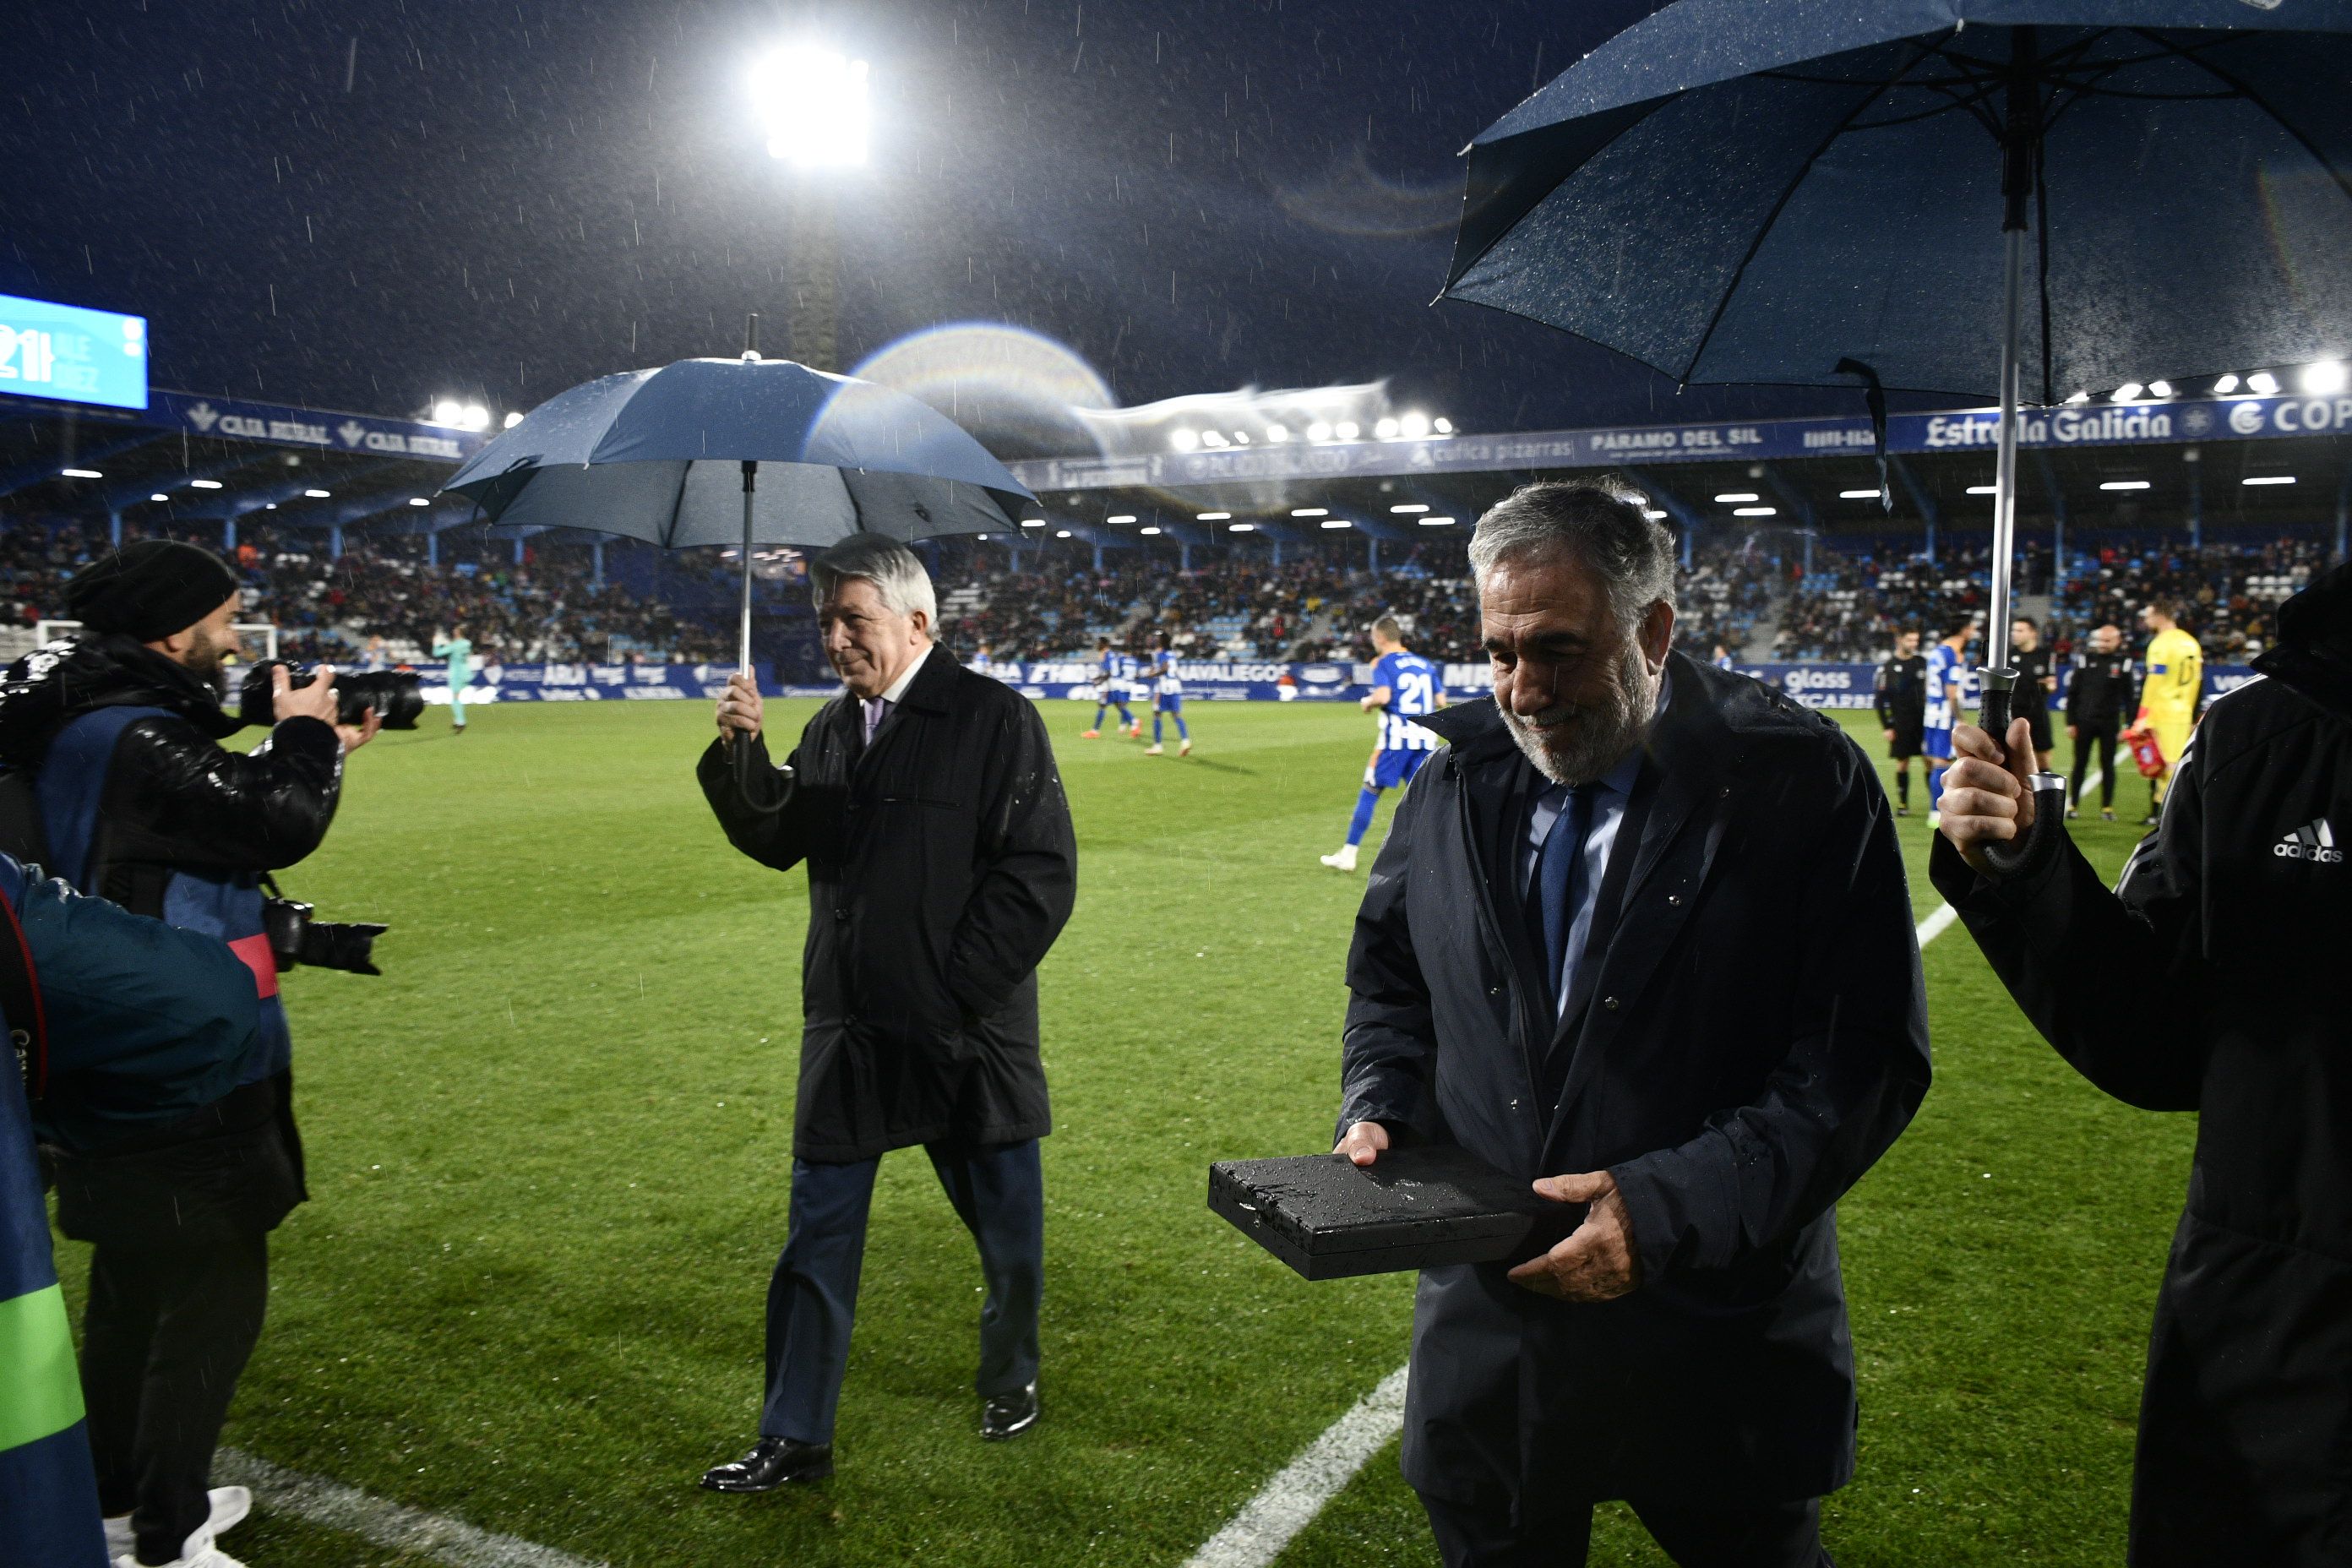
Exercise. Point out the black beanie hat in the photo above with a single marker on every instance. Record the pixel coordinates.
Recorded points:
(149, 590)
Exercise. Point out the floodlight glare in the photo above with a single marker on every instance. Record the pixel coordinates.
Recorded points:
(2159, 388)
(1413, 425)
(812, 103)
(1120, 517)
(1184, 439)
(1384, 428)
(513, 418)
(1210, 516)
(1447, 521)
(1245, 528)
(205, 484)
(1733, 497)
(1755, 511)
(1212, 438)
(420, 500)
(317, 495)
(2128, 391)
(1408, 506)
(1652, 514)
(2078, 395)
(1240, 437)
(1442, 425)
(1310, 511)
(159, 495)
(1033, 523)
(2226, 385)
(1061, 533)
(2268, 479)
(80, 474)
(2262, 383)
(1147, 530)
(2325, 378)
(477, 417)
(2123, 484)
(1318, 431)
(1857, 495)
(1984, 489)
(1346, 430)
(1337, 523)
(448, 411)
(1276, 435)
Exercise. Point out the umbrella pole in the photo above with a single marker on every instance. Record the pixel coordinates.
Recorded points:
(743, 639)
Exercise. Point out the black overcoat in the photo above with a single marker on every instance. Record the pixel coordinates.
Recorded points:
(2214, 980)
(1749, 1039)
(941, 865)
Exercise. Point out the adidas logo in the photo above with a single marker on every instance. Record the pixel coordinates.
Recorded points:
(2315, 842)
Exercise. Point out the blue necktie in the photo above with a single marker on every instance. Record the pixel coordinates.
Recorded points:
(1559, 877)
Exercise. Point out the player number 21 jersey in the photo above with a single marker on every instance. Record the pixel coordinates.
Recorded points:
(1414, 683)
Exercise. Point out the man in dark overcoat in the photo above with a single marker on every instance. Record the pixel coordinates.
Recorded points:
(2210, 980)
(941, 865)
(1640, 936)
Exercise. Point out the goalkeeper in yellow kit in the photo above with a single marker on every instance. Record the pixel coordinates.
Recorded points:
(2169, 691)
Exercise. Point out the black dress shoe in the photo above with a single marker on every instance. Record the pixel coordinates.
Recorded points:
(1008, 1414)
(772, 1463)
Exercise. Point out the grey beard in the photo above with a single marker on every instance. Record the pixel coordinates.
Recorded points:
(1592, 740)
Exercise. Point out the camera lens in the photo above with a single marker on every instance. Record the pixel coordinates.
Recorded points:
(393, 693)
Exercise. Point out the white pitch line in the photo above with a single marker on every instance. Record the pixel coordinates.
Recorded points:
(1288, 1503)
(378, 1520)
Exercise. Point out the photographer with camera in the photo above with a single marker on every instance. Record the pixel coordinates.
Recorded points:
(137, 801)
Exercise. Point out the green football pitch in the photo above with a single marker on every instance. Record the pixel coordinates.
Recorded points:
(549, 1153)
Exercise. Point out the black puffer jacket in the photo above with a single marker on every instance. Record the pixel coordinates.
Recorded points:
(2211, 980)
(174, 797)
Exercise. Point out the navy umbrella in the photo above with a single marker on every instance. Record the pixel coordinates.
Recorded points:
(674, 457)
(1802, 191)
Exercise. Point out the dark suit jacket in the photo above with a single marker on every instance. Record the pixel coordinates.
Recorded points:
(1748, 1041)
(941, 865)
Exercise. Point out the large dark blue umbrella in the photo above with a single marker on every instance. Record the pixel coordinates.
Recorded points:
(1799, 191)
(749, 451)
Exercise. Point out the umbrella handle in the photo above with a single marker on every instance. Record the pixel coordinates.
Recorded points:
(2032, 855)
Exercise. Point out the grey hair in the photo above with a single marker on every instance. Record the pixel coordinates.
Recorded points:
(895, 572)
(1603, 522)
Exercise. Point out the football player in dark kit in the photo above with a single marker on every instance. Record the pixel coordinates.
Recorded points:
(2034, 685)
(1902, 702)
(2097, 697)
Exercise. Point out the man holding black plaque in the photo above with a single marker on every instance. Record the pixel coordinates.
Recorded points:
(1641, 936)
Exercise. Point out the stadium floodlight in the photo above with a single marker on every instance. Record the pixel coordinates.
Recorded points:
(159, 495)
(1437, 522)
(1120, 517)
(1245, 528)
(270, 506)
(1033, 523)
(1857, 495)
(1150, 531)
(2078, 395)
(513, 418)
(1240, 437)
(2123, 484)
(1318, 431)
(1310, 511)
(1756, 512)
(476, 417)
(2326, 377)
(2262, 383)
(1415, 426)
(204, 484)
(420, 500)
(2226, 385)
(318, 494)
(1275, 434)
(2128, 391)
(80, 474)
(813, 104)
(1337, 523)
(1212, 438)
(448, 411)
(1210, 516)
(1184, 439)
(1384, 428)
(1442, 425)
(1347, 430)
(2159, 388)
(1061, 533)
(1734, 498)
(2268, 479)
(1984, 489)
(1408, 506)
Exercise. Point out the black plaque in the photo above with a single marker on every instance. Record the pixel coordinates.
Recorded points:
(1330, 1218)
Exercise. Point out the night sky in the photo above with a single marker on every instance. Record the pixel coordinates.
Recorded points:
(364, 205)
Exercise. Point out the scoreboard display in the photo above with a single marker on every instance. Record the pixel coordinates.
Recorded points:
(71, 354)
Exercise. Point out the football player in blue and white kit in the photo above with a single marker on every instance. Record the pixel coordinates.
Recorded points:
(1114, 679)
(1167, 697)
(1406, 686)
(1948, 682)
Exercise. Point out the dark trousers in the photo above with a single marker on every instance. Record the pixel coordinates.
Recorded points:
(2086, 740)
(166, 1335)
(1695, 1535)
(999, 1192)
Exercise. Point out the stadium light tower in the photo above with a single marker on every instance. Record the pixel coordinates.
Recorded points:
(815, 113)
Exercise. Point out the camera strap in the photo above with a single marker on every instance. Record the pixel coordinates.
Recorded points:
(20, 999)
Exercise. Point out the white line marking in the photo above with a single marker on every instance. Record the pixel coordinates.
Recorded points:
(1290, 1502)
(388, 1524)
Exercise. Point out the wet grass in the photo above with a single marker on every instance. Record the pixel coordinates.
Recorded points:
(549, 1152)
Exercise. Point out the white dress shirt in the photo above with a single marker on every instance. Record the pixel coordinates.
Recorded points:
(878, 708)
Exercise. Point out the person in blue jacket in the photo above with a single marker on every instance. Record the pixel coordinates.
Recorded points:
(122, 1025)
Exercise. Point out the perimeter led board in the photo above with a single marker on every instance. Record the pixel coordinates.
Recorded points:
(72, 355)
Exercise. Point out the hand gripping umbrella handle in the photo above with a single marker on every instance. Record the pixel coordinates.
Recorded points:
(2033, 854)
